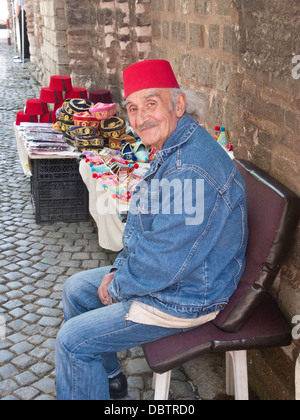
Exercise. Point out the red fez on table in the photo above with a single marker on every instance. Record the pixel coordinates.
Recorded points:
(62, 83)
(48, 118)
(22, 118)
(36, 107)
(50, 96)
(77, 93)
(100, 95)
(148, 74)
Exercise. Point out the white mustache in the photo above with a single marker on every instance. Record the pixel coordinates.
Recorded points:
(149, 124)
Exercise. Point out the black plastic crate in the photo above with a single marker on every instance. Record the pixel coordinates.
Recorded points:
(55, 169)
(58, 192)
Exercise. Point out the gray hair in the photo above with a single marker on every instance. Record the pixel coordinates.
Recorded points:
(195, 106)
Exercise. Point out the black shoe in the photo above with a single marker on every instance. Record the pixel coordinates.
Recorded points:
(118, 387)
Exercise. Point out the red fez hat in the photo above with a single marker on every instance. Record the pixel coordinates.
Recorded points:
(50, 96)
(77, 93)
(148, 74)
(48, 118)
(100, 95)
(22, 117)
(36, 107)
(62, 83)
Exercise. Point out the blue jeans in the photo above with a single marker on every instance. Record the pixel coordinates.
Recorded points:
(88, 342)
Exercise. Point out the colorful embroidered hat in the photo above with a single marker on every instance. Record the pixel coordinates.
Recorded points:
(148, 74)
(85, 119)
(61, 83)
(100, 95)
(73, 106)
(50, 96)
(78, 105)
(36, 107)
(82, 131)
(112, 127)
(22, 117)
(77, 93)
(103, 111)
(91, 142)
(117, 143)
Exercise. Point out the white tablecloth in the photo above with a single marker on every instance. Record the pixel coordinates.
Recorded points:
(104, 210)
(25, 156)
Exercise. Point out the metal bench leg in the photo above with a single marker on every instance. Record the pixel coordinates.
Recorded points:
(237, 375)
(297, 376)
(161, 384)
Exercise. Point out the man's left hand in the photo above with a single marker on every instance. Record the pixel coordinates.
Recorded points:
(103, 289)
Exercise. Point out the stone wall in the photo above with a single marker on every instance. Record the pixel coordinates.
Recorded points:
(47, 26)
(105, 37)
(199, 38)
(237, 54)
(91, 40)
(267, 132)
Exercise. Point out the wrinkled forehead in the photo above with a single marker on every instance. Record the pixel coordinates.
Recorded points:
(160, 94)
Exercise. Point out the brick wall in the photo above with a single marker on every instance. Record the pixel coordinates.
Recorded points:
(104, 37)
(267, 131)
(268, 107)
(90, 40)
(199, 39)
(47, 28)
(237, 55)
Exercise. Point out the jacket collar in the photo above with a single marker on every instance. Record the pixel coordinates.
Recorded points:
(185, 128)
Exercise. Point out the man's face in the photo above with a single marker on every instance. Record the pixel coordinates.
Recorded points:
(151, 116)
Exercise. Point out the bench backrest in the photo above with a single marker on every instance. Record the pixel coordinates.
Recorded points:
(273, 215)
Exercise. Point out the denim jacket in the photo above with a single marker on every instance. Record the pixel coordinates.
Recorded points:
(184, 264)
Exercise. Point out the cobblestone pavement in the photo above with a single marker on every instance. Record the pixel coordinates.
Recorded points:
(35, 261)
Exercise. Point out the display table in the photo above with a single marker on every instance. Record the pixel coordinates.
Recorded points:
(26, 157)
(57, 190)
(109, 213)
(105, 211)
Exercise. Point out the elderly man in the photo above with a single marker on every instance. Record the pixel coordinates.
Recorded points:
(175, 272)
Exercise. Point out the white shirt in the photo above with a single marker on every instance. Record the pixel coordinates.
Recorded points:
(141, 313)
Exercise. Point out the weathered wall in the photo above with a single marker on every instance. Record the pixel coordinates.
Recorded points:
(238, 56)
(267, 128)
(47, 26)
(91, 40)
(198, 38)
(104, 37)
(267, 131)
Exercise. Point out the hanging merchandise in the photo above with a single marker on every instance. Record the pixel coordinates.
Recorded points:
(141, 152)
(217, 132)
(223, 138)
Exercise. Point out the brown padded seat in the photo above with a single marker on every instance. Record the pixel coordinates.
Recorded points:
(251, 319)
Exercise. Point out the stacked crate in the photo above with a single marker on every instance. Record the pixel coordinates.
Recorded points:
(58, 192)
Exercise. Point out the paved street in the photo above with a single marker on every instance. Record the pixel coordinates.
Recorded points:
(35, 261)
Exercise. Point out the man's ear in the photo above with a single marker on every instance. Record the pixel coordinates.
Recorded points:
(180, 105)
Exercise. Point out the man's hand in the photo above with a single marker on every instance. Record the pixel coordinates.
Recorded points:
(103, 289)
